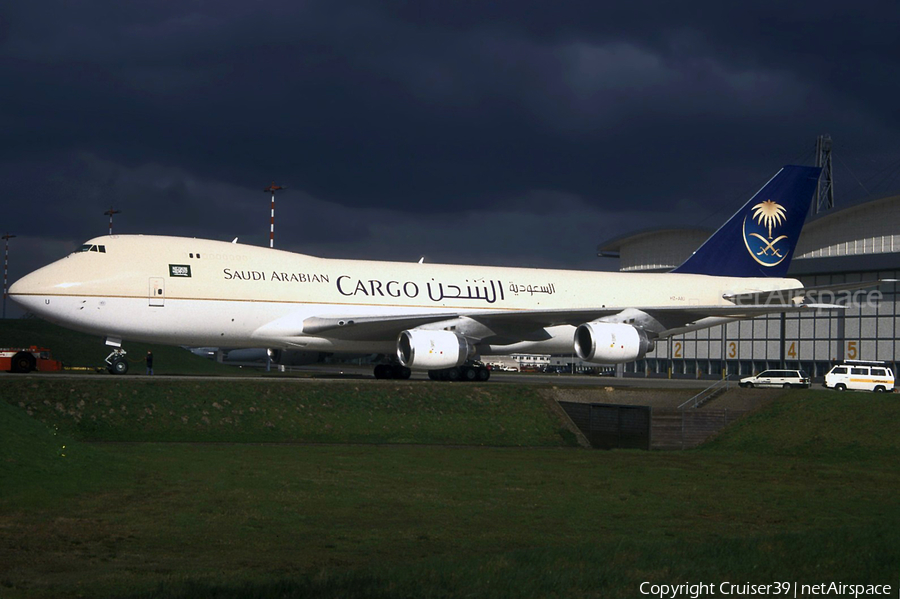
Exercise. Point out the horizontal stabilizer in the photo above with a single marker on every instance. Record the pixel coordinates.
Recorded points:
(786, 296)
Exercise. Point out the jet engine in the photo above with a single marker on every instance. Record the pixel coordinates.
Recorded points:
(432, 350)
(611, 343)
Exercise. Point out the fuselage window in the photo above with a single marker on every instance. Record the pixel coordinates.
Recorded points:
(85, 248)
(192, 254)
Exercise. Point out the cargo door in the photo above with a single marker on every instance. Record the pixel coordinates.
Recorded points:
(157, 292)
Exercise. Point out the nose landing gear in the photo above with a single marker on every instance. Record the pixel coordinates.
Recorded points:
(116, 362)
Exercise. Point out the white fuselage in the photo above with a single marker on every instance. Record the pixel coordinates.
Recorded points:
(185, 291)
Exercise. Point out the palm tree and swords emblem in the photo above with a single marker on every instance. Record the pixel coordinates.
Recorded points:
(765, 216)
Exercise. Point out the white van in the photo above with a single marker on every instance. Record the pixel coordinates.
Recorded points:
(865, 376)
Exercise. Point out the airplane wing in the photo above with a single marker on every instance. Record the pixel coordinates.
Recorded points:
(363, 327)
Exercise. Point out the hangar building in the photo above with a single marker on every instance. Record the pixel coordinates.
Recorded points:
(861, 242)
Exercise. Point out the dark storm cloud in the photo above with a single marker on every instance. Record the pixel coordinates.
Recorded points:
(454, 129)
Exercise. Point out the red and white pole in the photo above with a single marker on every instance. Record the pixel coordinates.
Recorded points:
(272, 189)
(110, 212)
(7, 237)
(272, 223)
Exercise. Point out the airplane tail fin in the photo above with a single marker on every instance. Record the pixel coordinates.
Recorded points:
(759, 240)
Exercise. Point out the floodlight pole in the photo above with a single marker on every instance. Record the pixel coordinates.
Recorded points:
(6, 237)
(272, 189)
(110, 212)
(824, 198)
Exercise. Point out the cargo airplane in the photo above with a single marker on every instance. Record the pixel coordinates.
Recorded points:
(434, 317)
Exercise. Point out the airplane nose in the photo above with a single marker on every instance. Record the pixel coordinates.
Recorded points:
(27, 285)
(30, 291)
(23, 290)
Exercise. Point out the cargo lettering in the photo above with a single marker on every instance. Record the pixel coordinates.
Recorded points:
(374, 288)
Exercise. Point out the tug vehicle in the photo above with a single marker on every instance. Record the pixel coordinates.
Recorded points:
(26, 359)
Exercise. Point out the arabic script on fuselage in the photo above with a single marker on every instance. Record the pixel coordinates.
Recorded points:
(486, 290)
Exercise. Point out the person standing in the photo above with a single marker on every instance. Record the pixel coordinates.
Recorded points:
(149, 362)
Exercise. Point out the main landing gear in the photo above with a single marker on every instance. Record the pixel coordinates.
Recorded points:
(472, 370)
(392, 371)
(116, 362)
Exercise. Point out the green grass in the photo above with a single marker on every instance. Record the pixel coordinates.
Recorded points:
(148, 409)
(821, 425)
(776, 498)
(38, 463)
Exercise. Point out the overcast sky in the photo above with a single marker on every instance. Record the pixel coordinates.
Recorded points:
(493, 132)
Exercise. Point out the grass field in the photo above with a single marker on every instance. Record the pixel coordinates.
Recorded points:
(367, 492)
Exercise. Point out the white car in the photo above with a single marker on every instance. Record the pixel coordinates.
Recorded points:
(777, 378)
(875, 376)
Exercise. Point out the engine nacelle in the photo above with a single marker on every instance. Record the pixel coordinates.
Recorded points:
(432, 350)
(611, 343)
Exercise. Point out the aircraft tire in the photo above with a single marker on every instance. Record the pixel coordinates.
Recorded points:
(468, 373)
(400, 372)
(452, 374)
(483, 374)
(118, 366)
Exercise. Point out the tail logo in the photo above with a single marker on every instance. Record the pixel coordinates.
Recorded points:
(761, 236)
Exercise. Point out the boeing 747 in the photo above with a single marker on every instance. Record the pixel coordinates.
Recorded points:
(435, 317)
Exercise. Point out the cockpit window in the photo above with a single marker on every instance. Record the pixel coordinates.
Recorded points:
(87, 247)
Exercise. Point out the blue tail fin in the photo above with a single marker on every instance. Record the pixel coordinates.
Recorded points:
(759, 240)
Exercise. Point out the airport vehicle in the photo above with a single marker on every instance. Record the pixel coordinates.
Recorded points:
(777, 378)
(423, 316)
(26, 359)
(860, 375)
